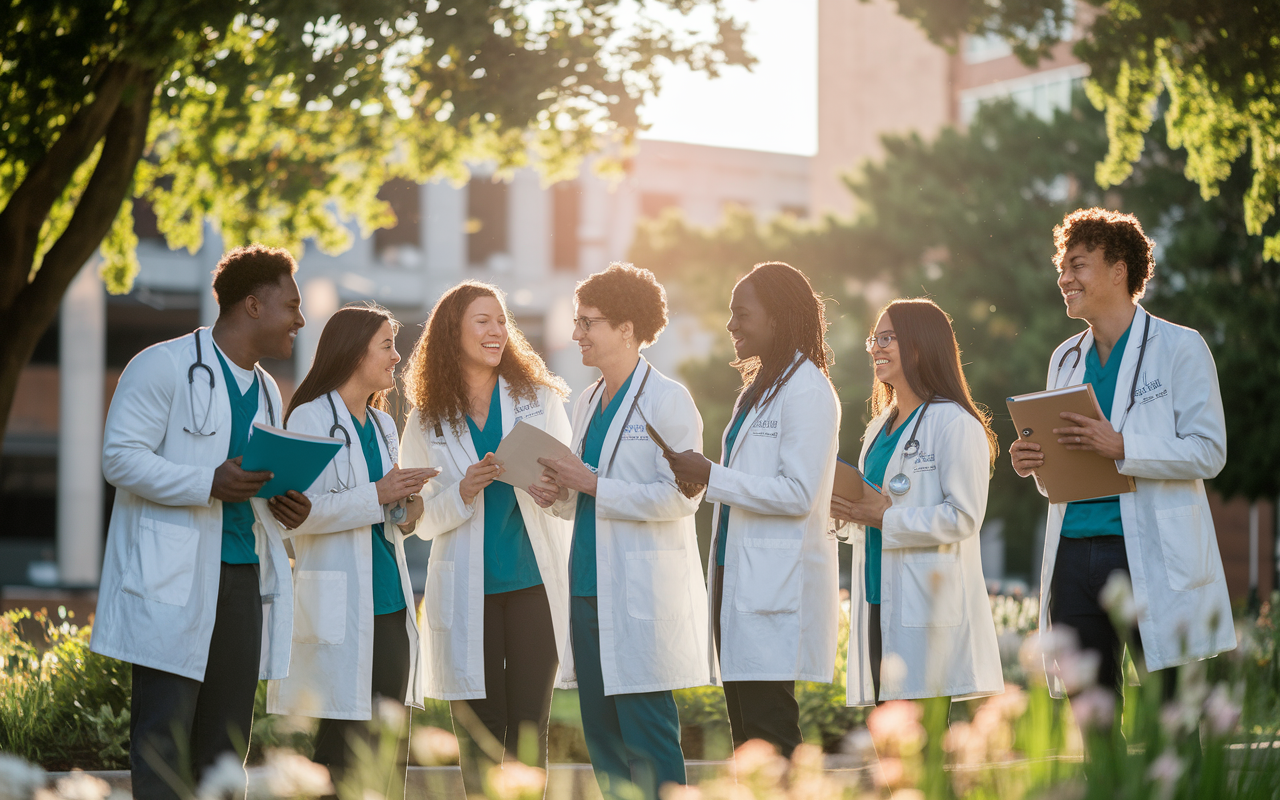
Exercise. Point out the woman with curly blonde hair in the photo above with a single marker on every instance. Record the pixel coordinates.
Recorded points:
(497, 581)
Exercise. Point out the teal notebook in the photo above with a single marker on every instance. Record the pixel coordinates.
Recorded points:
(296, 459)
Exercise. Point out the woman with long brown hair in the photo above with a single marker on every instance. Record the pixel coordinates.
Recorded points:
(497, 586)
(920, 600)
(355, 636)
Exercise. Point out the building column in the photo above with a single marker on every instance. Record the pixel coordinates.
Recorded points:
(82, 357)
(529, 226)
(445, 233)
(319, 302)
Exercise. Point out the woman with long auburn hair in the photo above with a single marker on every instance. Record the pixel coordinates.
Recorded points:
(773, 569)
(920, 600)
(355, 635)
(497, 585)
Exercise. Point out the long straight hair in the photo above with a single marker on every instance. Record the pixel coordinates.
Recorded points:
(799, 325)
(930, 361)
(344, 342)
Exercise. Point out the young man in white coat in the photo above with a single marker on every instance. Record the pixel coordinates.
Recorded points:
(1158, 388)
(195, 593)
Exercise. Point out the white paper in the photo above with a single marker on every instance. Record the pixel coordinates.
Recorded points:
(520, 450)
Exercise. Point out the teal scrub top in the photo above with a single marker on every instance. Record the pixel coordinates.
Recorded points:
(582, 569)
(388, 596)
(722, 530)
(873, 467)
(1101, 515)
(509, 562)
(237, 518)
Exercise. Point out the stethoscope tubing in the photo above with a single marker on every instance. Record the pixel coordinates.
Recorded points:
(1137, 372)
(213, 383)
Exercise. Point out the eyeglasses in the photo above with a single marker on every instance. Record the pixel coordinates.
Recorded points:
(883, 340)
(586, 322)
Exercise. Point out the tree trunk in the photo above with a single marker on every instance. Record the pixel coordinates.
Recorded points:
(118, 116)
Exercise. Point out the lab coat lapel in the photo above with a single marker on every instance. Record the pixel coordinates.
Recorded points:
(355, 453)
(753, 414)
(1075, 375)
(595, 394)
(201, 396)
(615, 427)
(507, 405)
(1128, 365)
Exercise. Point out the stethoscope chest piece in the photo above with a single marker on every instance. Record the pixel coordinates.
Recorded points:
(900, 484)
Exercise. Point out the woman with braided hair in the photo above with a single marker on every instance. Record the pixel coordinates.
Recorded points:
(773, 575)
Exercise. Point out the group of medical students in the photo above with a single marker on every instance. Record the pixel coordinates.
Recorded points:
(591, 577)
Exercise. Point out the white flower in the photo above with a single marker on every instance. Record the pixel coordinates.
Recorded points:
(79, 786)
(287, 774)
(1117, 599)
(18, 779)
(1165, 771)
(226, 778)
(1094, 708)
(1221, 711)
(435, 746)
(515, 781)
(392, 713)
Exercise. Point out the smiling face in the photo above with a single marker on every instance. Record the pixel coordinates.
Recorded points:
(276, 310)
(603, 343)
(1089, 285)
(887, 360)
(377, 370)
(483, 335)
(749, 324)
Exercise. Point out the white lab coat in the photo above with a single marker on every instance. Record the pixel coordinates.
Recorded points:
(651, 597)
(1175, 438)
(935, 617)
(331, 674)
(453, 641)
(160, 574)
(780, 612)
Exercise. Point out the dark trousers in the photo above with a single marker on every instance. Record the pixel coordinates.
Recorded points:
(1079, 574)
(875, 643)
(759, 709)
(334, 737)
(633, 739)
(520, 663)
(179, 726)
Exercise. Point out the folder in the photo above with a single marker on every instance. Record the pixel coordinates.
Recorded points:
(1067, 475)
(520, 450)
(297, 459)
(850, 483)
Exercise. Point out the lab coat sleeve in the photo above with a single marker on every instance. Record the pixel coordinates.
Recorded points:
(964, 473)
(809, 424)
(660, 501)
(443, 508)
(1199, 447)
(137, 423)
(333, 512)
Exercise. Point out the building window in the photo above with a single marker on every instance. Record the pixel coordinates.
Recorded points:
(652, 204)
(401, 244)
(487, 215)
(145, 224)
(566, 216)
(1042, 93)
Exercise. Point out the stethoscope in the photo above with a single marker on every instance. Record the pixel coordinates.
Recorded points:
(397, 512)
(900, 484)
(191, 392)
(582, 444)
(1142, 353)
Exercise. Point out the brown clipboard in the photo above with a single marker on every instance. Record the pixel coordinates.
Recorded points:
(1067, 475)
(849, 483)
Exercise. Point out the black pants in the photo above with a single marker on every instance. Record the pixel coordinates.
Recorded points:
(1079, 573)
(520, 663)
(390, 681)
(759, 709)
(179, 726)
(875, 643)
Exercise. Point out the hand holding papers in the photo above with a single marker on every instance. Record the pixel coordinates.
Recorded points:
(687, 488)
(1069, 473)
(850, 483)
(519, 451)
(856, 499)
(296, 459)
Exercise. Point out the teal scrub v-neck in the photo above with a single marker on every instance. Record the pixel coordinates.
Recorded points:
(388, 595)
(722, 529)
(582, 570)
(879, 454)
(509, 562)
(237, 518)
(1100, 516)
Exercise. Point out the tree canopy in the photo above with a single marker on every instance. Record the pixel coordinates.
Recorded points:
(1216, 63)
(279, 121)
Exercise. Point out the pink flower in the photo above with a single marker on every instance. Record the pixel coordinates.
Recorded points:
(435, 746)
(895, 727)
(1094, 709)
(1221, 711)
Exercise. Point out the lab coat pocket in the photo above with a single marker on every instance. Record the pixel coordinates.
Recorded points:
(932, 589)
(162, 564)
(657, 582)
(438, 595)
(768, 577)
(1186, 548)
(320, 607)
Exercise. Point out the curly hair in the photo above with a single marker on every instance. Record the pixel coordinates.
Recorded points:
(343, 344)
(433, 379)
(930, 361)
(1121, 237)
(799, 320)
(244, 270)
(627, 293)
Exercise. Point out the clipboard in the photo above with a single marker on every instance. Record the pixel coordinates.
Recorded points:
(850, 483)
(1067, 475)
